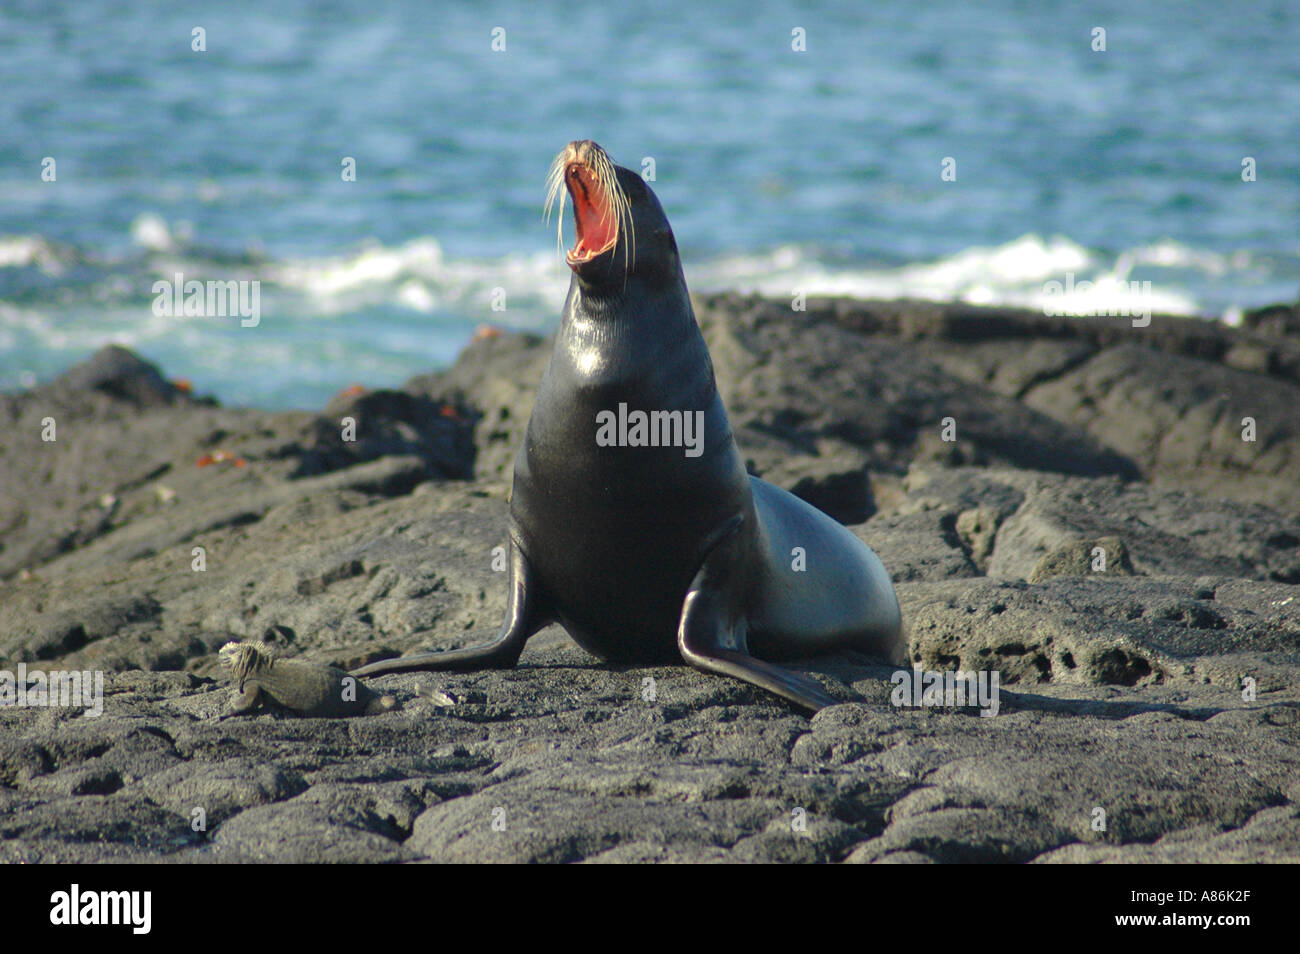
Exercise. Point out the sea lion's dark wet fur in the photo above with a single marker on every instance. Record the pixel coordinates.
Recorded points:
(647, 554)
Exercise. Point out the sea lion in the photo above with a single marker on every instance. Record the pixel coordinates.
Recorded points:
(633, 522)
(309, 689)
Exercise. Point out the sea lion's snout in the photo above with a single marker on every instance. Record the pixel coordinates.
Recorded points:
(582, 150)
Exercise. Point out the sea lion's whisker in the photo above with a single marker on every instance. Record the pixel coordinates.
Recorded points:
(555, 190)
(616, 204)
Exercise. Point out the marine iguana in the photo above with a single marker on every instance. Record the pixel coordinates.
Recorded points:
(306, 688)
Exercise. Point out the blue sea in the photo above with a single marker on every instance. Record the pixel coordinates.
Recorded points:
(816, 169)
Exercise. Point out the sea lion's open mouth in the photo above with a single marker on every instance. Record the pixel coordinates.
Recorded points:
(601, 210)
(594, 220)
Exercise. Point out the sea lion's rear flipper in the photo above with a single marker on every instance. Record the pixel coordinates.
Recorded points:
(525, 615)
(711, 632)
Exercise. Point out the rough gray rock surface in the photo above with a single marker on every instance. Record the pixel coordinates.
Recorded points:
(1121, 681)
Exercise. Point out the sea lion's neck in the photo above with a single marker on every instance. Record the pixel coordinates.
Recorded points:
(642, 335)
(638, 307)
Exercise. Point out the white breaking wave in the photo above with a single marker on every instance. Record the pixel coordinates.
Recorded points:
(151, 232)
(25, 251)
(417, 276)
(1014, 274)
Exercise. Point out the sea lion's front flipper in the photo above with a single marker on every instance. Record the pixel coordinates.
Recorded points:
(524, 617)
(711, 633)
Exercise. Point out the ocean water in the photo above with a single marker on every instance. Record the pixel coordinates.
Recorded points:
(780, 170)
